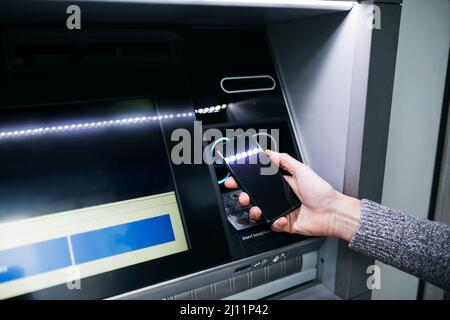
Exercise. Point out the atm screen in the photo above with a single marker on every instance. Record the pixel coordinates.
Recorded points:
(84, 190)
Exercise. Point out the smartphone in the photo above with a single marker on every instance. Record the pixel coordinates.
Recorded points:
(258, 177)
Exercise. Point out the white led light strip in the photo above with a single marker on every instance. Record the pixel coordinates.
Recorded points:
(243, 155)
(212, 109)
(90, 125)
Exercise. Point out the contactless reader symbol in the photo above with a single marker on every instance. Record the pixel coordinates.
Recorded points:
(220, 162)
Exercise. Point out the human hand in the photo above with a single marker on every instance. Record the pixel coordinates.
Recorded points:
(324, 211)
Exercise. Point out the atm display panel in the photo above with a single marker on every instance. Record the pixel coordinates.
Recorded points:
(116, 181)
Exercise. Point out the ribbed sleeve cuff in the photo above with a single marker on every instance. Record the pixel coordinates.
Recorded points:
(380, 231)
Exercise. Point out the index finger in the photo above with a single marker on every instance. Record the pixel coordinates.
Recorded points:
(284, 161)
(230, 183)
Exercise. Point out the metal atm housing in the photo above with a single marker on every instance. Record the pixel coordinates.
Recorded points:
(335, 74)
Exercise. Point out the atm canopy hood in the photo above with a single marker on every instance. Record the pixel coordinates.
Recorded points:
(180, 12)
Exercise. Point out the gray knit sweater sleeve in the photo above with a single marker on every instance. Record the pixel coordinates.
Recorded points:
(418, 246)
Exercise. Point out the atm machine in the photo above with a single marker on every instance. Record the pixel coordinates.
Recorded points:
(91, 205)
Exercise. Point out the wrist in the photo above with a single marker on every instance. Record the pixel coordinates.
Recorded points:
(346, 217)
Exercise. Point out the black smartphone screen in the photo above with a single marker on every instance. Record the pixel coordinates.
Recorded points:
(259, 177)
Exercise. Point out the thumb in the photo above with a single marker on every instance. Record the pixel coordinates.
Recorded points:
(290, 180)
(284, 161)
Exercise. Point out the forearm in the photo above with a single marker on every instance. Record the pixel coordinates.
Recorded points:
(417, 246)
